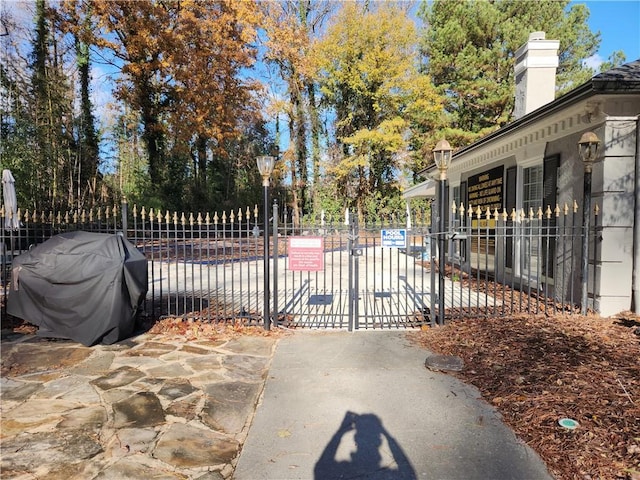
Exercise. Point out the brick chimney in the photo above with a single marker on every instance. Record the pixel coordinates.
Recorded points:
(535, 70)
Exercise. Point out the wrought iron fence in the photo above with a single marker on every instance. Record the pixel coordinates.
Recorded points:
(210, 266)
(518, 262)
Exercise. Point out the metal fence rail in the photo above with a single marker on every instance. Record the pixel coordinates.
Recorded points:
(211, 267)
(522, 262)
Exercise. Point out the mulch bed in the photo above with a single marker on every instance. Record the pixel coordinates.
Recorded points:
(537, 370)
(199, 330)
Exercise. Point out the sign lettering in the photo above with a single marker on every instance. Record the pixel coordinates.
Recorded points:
(485, 190)
(306, 254)
(396, 238)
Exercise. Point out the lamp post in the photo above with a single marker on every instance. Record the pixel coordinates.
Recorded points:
(265, 166)
(442, 154)
(588, 150)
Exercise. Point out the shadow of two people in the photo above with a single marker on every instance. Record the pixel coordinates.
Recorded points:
(367, 460)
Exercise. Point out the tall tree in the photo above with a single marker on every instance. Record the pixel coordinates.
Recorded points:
(16, 120)
(52, 105)
(86, 139)
(291, 27)
(213, 100)
(180, 70)
(469, 47)
(133, 31)
(368, 72)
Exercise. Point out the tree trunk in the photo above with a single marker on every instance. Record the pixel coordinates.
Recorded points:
(314, 117)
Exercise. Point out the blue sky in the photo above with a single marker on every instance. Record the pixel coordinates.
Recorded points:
(619, 24)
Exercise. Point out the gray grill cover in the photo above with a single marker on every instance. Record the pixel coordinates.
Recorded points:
(82, 286)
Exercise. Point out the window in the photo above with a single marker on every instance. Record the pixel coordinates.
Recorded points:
(532, 189)
(456, 246)
(532, 196)
(456, 198)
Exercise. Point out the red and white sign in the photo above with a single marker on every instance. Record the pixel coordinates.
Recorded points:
(306, 254)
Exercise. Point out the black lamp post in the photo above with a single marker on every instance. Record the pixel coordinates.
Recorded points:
(265, 166)
(442, 154)
(588, 149)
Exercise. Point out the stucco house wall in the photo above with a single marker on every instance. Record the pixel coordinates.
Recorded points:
(609, 106)
(613, 189)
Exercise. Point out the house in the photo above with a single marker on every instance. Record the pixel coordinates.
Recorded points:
(533, 163)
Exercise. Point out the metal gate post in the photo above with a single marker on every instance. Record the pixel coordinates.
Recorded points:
(350, 238)
(353, 252)
(274, 311)
(356, 274)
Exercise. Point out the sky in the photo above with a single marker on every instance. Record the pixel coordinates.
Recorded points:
(618, 22)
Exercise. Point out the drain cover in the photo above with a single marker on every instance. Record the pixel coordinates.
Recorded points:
(444, 362)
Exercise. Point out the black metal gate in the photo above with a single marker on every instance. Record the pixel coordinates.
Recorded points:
(370, 277)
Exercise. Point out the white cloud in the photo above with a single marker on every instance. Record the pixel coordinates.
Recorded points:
(594, 62)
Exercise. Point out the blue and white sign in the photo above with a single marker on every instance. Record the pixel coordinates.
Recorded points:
(396, 238)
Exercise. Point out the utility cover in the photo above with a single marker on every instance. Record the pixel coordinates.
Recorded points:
(82, 286)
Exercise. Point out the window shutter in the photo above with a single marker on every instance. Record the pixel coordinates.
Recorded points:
(510, 203)
(550, 198)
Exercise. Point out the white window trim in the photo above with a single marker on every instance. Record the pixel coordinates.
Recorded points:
(531, 162)
(534, 162)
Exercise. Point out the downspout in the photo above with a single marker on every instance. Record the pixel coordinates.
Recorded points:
(636, 225)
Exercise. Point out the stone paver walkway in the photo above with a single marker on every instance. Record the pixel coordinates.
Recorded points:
(150, 407)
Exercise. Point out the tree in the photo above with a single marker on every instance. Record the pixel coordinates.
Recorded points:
(470, 45)
(367, 64)
(130, 178)
(616, 59)
(180, 70)
(16, 121)
(51, 101)
(291, 27)
(88, 141)
(211, 45)
(86, 138)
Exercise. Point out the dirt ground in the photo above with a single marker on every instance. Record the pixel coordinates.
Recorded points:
(537, 370)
